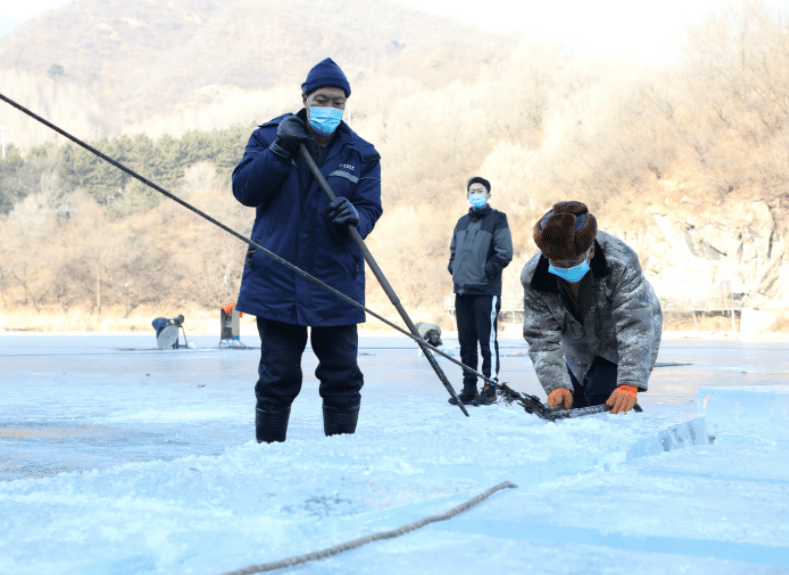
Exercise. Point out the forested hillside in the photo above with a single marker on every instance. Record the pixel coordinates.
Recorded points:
(163, 162)
(689, 162)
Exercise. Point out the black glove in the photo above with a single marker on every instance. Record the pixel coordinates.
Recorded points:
(341, 213)
(291, 133)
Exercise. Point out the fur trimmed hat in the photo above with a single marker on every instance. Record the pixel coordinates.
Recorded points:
(566, 232)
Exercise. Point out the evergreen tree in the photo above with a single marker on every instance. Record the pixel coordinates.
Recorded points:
(10, 190)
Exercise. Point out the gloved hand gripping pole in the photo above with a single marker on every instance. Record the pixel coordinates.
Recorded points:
(379, 275)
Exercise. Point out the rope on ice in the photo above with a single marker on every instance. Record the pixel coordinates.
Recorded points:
(336, 549)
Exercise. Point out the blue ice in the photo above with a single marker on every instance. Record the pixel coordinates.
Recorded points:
(119, 458)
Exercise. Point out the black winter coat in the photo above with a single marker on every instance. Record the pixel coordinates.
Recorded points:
(291, 221)
(481, 247)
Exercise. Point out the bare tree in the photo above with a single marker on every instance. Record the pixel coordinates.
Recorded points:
(26, 233)
(99, 246)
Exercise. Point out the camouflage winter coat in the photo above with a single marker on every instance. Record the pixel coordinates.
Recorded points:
(622, 320)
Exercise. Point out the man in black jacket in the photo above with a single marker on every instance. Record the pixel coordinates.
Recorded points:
(481, 247)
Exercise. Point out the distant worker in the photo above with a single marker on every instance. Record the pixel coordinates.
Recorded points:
(167, 332)
(230, 327)
(481, 248)
(591, 319)
(296, 221)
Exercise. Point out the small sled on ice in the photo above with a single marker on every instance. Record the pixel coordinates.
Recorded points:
(430, 332)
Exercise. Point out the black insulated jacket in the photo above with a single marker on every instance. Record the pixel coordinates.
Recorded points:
(481, 247)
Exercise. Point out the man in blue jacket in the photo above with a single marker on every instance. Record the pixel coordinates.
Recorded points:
(296, 221)
(481, 248)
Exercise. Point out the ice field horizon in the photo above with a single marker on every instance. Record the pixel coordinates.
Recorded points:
(118, 458)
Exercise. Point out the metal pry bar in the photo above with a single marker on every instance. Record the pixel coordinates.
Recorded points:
(379, 275)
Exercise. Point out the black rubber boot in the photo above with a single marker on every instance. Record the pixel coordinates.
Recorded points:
(467, 396)
(338, 420)
(271, 424)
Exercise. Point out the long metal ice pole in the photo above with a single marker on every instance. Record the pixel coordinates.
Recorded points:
(390, 293)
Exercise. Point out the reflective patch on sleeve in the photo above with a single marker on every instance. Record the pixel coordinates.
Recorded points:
(346, 175)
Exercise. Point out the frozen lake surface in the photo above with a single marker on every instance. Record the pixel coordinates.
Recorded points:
(117, 458)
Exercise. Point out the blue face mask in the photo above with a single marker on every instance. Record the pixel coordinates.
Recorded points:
(324, 120)
(478, 200)
(574, 274)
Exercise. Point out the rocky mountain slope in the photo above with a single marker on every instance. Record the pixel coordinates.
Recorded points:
(144, 57)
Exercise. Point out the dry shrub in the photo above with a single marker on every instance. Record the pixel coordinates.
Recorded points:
(779, 325)
(675, 321)
(215, 107)
(67, 104)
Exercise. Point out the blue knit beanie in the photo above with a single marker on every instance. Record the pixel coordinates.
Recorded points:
(323, 74)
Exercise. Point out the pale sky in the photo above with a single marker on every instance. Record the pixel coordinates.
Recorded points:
(12, 14)
(644, 30)
(648, 31)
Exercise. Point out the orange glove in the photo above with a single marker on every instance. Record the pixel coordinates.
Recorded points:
(622, 399)
(559, 397)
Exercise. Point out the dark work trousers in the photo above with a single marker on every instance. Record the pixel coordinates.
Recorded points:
(281, 348)
(598, 385)
(478, 320)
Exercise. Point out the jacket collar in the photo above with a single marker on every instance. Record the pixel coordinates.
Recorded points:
(543, 280)
(476, 214)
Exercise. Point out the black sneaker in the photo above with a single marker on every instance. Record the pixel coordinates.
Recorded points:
(467, 396)
(487, 397)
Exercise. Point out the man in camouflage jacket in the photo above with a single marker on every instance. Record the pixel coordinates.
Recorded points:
(592, 320)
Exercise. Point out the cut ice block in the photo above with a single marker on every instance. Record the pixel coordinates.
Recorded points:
(692, 432)
(764, 413)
